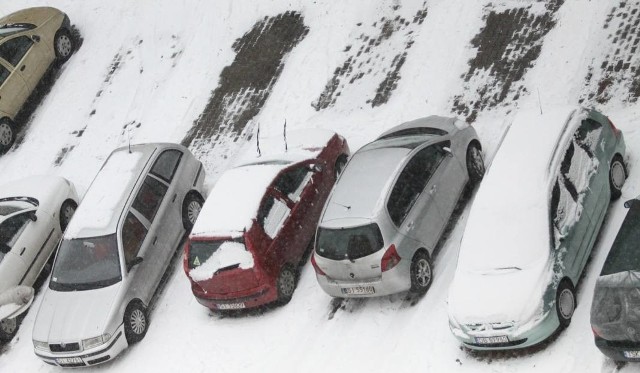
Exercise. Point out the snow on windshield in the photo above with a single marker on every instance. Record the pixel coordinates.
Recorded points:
(230, 253)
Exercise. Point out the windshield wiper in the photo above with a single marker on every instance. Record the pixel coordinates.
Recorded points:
(227, 268)
(513, 267)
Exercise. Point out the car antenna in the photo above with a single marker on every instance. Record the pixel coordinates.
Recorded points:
(345, 206)
(129, 138)
(539, 102)
(286, 147)
(258, 141)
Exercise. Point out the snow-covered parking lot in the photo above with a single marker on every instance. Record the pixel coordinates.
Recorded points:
(209, 73)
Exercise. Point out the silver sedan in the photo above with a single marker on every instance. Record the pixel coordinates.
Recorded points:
(390, 206)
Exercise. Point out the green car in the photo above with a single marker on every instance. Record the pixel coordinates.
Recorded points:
(31, 40)
(532, 226)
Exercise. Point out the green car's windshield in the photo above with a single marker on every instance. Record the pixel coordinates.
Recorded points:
(625, 251)
(86, 263)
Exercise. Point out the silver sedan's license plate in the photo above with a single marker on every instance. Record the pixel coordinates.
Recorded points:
(492, 340)
(631, 354)
(69, 360)
(230, 306)
(359, 290)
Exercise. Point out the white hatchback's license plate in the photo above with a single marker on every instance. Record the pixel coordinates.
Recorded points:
(359, 290)
(631, 354)
(230, 306)
(492, 340)
(69, 360)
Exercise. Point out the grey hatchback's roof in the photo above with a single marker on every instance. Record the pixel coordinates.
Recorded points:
(101, 207)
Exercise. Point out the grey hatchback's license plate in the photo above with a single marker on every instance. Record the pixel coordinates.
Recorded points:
(631, 354)
(358, 290)
(492, 340)
(69, 360)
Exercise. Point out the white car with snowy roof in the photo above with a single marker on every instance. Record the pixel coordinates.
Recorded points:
(34, 212)
(114, 253)
(532, 226)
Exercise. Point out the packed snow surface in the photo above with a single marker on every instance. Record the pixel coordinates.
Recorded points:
(228, 254)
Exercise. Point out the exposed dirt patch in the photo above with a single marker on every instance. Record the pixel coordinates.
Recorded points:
(507, 46)
(246, 84)
(376, 54)
(618, 73)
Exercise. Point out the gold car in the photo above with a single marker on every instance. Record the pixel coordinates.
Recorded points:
(31, 40)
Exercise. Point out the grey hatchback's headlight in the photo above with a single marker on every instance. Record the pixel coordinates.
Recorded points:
(40, 345)
(95, 341)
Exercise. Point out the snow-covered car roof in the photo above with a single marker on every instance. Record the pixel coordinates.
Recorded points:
(99, 212)
(235, 198)
(509, 221)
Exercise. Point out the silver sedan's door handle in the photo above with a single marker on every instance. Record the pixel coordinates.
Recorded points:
(174, 198)
(22, 251)
(155, 240)
(433, 189)
(410, 225)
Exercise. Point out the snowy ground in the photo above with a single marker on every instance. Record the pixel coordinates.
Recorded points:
(150, 70)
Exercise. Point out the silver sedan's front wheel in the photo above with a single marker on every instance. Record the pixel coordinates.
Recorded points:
(135, 322)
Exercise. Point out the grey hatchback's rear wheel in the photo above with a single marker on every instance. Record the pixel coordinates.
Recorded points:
(565, 302)
(135, 322)
(7, 134)
(286, 284)
(66, 212)
(617, 177)
(191, 209)
(421, 273)
(63, 45)
(475, 163)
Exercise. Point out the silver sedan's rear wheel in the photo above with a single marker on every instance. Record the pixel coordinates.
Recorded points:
(7, 134)
(617, 177)
(135, 322)
(565, 303)
(421, 273)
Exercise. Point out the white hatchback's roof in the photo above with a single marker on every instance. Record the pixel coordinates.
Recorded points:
(99, 212)
(509, 221)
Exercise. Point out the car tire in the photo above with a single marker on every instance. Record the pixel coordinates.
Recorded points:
(63, 45)
(341, 162)
(475, 164)
(286, 284)
(67, 210)
(7, 134)
(421, 273)
(617, 176)
(136, 322)
(9, 328)
(191, 208)
(565, 302)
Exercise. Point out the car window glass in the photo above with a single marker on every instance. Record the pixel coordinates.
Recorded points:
(13, 50)
(133, 234)
(11, 229)
(150, 197)
(412, 181)
(563, 211)
(4, 73)
(293, 182)
(167, 164)
(272, 215)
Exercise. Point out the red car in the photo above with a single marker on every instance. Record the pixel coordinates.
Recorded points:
(259, 220)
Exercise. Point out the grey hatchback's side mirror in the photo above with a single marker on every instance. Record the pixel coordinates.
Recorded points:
(32, 216)
(137, 260)
(35, 38)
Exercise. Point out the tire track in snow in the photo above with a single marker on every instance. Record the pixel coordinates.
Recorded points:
(617, 72)
(369, 58)
(507, 46)
(244, 86)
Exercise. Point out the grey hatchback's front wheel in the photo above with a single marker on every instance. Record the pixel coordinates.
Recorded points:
(421, 273)
(135, 322)
(475, 164)
(617, 177)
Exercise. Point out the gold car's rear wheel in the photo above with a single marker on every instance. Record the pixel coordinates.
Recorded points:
(7, 134)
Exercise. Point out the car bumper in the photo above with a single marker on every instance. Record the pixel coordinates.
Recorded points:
(516, 339)
(619, 350)
(250, 298)
(93, 356)
(390, 282)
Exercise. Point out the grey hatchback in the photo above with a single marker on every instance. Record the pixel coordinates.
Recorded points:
(389, 207)
(114, 253)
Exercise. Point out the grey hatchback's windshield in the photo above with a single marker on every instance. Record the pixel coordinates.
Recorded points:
(86, 263)
(349, 243)
(625, 251)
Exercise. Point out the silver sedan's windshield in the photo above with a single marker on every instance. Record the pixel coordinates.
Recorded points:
(86, 263)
